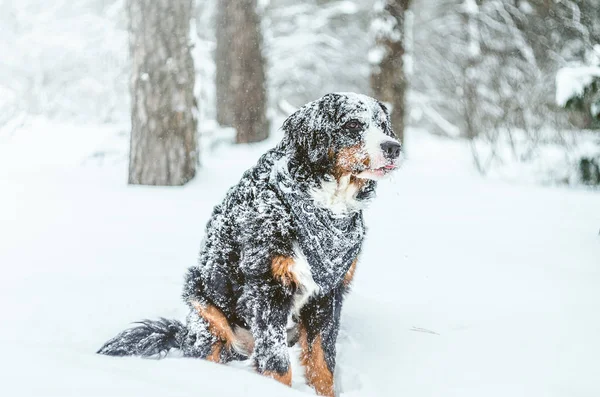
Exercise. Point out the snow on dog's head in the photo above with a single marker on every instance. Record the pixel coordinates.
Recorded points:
(344, 134)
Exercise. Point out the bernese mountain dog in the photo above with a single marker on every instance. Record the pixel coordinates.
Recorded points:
(280, 251)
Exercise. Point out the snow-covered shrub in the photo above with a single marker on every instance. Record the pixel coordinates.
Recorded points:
(578, 89)
(565, 157)
(589, 170)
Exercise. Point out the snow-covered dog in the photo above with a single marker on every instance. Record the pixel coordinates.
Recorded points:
(281, 249)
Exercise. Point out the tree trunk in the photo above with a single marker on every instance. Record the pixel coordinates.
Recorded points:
(223, 58)
(241, 71)
(388, 79)
(163, 123)
(469, 16)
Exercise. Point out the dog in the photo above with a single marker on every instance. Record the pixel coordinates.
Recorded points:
(281, 250)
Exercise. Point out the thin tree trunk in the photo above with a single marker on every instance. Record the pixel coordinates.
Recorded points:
(241, 83)
(223, 57)
(163, 123)
(388, 79)
(469, 10)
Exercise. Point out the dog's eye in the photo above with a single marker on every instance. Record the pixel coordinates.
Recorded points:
(353, 125)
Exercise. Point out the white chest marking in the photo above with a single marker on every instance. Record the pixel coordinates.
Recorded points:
(306, 285)
(337, 196)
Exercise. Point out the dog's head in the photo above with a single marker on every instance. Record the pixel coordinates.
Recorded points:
(343, 134)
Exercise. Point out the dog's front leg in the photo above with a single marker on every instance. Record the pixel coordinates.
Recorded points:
(320, 320)
(269, 306)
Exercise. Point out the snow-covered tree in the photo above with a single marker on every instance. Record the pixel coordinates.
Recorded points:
(486, 68)
(163, 122)
(314, 47)
(503, 53)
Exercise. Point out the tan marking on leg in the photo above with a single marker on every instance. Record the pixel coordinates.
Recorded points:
(286, 378)
(215, 355)
(350, 274)
(281, 266)
(217, 323)
(312, 358)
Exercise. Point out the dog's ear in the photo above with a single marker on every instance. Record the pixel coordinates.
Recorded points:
(387, 110)
(308, 131)
(385, 106)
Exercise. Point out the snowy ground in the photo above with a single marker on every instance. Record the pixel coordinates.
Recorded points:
(467, 287)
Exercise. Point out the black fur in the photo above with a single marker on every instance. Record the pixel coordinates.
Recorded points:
(150, 338)
(321, 317)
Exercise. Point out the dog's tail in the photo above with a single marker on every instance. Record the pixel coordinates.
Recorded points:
(149, 338)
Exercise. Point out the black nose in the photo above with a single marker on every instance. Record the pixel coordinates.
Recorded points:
(391, 149)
